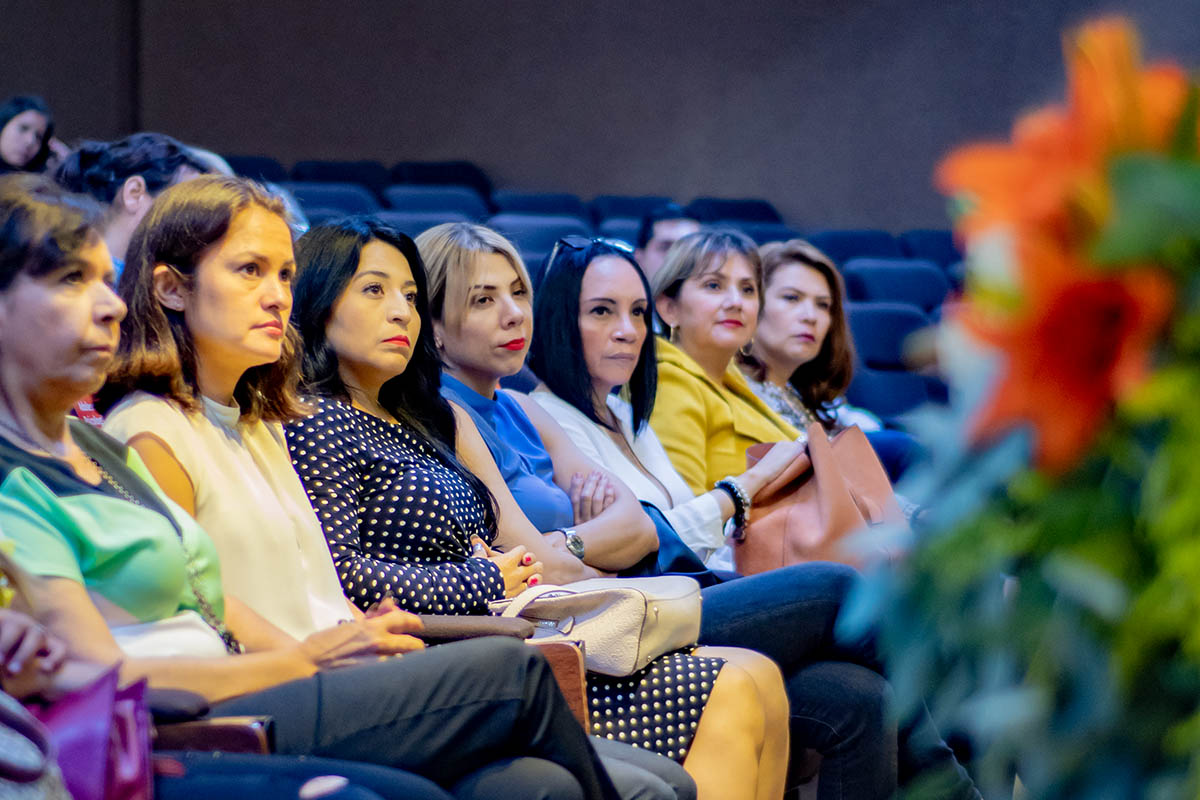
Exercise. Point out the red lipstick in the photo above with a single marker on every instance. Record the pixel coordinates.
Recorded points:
(398, 340)
(514, 345)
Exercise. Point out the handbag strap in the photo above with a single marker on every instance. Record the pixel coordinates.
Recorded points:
(522, 601)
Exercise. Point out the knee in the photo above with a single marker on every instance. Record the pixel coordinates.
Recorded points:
(523, 778)
(735, 704)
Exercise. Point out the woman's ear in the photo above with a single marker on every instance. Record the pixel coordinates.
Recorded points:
(668, 310)
(168, 287)
(133, 195)
(439, 332)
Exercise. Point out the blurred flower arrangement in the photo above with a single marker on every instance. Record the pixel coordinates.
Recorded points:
(1050, 609)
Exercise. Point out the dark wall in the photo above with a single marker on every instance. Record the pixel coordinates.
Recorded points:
(835, 111)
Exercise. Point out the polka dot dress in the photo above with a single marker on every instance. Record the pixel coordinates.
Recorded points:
(400, 521)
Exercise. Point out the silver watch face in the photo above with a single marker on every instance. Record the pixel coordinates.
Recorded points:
(574, 543)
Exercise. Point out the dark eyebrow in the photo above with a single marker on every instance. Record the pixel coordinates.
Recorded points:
(787, 288)
(602, 300)
(291, 262)
(484, 286)
(372, 272)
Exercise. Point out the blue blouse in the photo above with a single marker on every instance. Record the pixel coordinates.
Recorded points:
(519, 453)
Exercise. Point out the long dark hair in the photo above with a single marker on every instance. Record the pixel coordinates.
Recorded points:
(825, 378)
(157, 353)
(556, 354)
(100, 169)
(327, 258)
(19, 105)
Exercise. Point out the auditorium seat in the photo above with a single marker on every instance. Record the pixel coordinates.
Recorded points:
(415, 223)
(351, 198)
(843, 245)
(607, 206)
(935, 245)
(711, 209)
(443, 173)
(259, 168)
(370, 174)
(535, 234)
(623, 228)
(760, 232)
(318, 214)
(508, 201)
(463, 199)
(882, 381)
(918, 282)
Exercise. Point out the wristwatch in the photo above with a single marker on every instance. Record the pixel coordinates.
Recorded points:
(574, 542)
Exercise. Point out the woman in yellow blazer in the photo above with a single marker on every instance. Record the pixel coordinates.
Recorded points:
(705, 414)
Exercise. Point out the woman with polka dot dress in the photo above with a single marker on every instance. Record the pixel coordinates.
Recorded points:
(383, 462)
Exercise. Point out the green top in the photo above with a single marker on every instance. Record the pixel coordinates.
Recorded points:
(129, 553)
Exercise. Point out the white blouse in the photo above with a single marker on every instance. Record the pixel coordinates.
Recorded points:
(697, 520)
(250, 501)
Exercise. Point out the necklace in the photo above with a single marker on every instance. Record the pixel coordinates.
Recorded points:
(193, 572)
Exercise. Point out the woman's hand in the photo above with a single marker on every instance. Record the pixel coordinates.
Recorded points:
(386, 631)
(777, 459)
(590, 495)
(33, 661)
(517, 566)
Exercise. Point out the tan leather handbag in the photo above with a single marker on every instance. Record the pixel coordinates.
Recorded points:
(837, 487)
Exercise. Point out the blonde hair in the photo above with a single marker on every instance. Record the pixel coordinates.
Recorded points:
(701, 253)
(451, 254)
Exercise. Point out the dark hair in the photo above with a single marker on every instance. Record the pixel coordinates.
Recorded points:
(100, 169)
(825, 378)
(19, 105)
(658, 214)
(157, 353)
(327, 258)
(40, 226)
(556, 354)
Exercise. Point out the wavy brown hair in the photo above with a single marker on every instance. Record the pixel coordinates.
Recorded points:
(157, 353)
(825, 378)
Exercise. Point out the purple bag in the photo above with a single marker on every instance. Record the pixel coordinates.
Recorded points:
(102, 736)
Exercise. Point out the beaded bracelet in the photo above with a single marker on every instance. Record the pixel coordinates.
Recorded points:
(741, 503)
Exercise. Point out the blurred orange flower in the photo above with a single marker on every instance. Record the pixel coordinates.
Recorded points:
(1079, 335)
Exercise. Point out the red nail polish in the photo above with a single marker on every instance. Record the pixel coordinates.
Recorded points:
(534, 581)
(527, 560)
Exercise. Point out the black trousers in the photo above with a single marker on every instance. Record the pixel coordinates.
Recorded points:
(441, 713)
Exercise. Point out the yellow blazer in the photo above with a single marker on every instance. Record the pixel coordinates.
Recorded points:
(706, 428)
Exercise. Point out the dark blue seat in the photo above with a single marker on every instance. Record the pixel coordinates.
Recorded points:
(535, 234)
(607, 206)
(259, 168)
(318, 214)
(415, 223)
(932, 244)
(918, 282)
(843, 245)
(882, 382)
(443, 173)
(749, 209)
(760, 232)
(370, 174)
(348, 197)
(623, 228)
(463, 199)
(508, 201)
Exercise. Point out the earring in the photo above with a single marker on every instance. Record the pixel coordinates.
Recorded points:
(746, 348)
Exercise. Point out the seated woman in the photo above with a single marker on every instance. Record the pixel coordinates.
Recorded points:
(801, 358)
(27, 142)
(405, 518)
(124, 177)
(836, 693)
(112, 554)
(593, 314)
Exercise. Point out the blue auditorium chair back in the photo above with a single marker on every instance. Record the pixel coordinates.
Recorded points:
(750, 209)
(623, 228)
(414, 223)
(760, 232)
(350, 198)
(370, 174)
(461, 199)
(936, 245)
(535, 234)
(918, 282)
(607, 206)
(259, 168)
(508, 201)
(882, 382)
(443, 173)
(843, 245)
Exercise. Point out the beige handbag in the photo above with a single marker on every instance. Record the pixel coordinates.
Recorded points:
(622, 623)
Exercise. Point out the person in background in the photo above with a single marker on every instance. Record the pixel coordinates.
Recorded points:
(27, 142)
(660, 229)
(125, 176)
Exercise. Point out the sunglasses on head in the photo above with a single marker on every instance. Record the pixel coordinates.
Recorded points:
(583, 243)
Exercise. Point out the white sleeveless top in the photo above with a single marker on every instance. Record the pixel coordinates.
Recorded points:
(250, 501)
